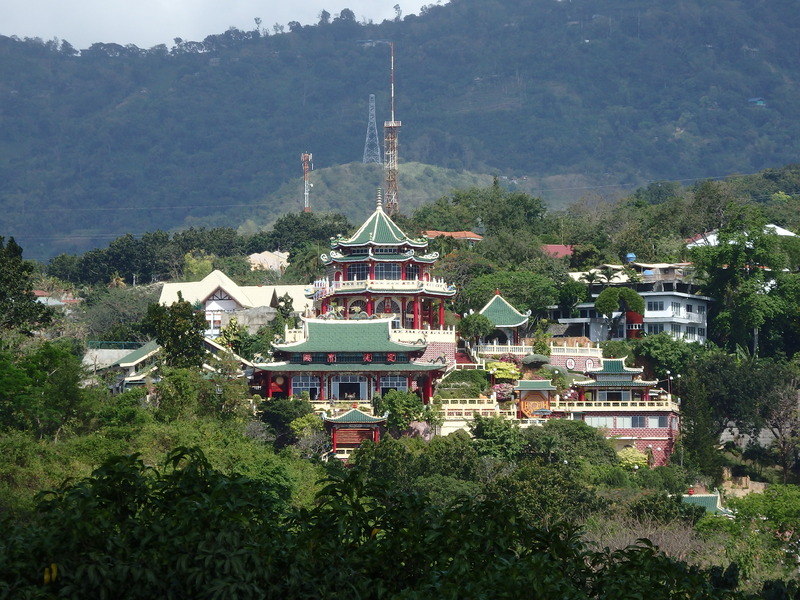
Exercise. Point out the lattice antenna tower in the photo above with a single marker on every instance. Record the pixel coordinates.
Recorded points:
(390, 130)
(305, 159)
(372, 148)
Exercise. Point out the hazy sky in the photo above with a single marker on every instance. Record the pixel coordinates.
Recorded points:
(147, 23)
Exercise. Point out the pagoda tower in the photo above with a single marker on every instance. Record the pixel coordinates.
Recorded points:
(379, 271)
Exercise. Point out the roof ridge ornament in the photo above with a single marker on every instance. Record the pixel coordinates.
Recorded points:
(379, 200)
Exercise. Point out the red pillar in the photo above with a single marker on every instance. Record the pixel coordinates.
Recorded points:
(370, 306)
(416, 313)
(269, 384)
(376, 435)
(289, 384)
(427, 390)
(333, 437)
(322, 387)
(441, 314)
(582, 394)
(372, 271)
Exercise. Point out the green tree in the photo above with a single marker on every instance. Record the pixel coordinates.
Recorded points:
(178, 329)
(562, 440)
(617, 299)
(18, 306)
(280, 413)
(404, 408)
(475, 326)
(738, 274)
(496, 437)
(524, 290)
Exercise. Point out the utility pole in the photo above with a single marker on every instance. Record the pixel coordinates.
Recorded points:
(306, 159)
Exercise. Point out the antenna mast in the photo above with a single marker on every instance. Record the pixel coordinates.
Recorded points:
(306, 159)
(390, 130)
(372, 148)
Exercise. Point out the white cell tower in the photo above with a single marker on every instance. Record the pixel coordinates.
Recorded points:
(372, 148)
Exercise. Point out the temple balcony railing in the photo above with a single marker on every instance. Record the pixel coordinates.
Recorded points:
(576, 351)
(654, 404)
(325, 288)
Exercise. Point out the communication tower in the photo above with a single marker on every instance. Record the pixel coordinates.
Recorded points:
(306, 159)
(372, 148)
(390, 130)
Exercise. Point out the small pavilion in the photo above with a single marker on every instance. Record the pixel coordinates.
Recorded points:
(507, 319)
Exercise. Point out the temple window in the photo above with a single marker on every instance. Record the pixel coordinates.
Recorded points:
(358, 272)
(387, 271)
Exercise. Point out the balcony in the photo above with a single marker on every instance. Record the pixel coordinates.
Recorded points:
(324, 288)
(615, 406)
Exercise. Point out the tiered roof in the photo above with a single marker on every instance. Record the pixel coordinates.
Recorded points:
(612, 373)
(379, 230)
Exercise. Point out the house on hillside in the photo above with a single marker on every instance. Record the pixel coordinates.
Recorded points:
(220, 297)
(463, 236)
(672, 305)
(710, 238)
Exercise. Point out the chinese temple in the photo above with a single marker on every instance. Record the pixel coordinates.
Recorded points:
(632, 411)
(379, 322)
(379, 270)
(347, 359)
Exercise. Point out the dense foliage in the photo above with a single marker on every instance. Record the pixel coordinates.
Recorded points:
(572, 95)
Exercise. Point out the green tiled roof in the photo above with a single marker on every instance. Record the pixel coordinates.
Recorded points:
(614, 365)
(502, 314)
(137, 355)
(534, 384)
(355, 416)
(342, 367)
(348, 336)
(379, 229)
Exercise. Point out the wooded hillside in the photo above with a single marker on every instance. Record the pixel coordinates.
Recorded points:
(604, 95)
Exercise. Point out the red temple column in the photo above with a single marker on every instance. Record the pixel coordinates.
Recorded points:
(321, 394)
(416, 313)
(427, 389)
(289, 384)
(581, 394)
(441, 314)
(370, 306)
(376, 435)
(333, 437)
(269, 384)
(372, 271)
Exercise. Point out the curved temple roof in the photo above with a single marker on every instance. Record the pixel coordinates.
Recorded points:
(379, 230)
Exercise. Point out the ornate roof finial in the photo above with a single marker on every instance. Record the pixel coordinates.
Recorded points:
(379, 200)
